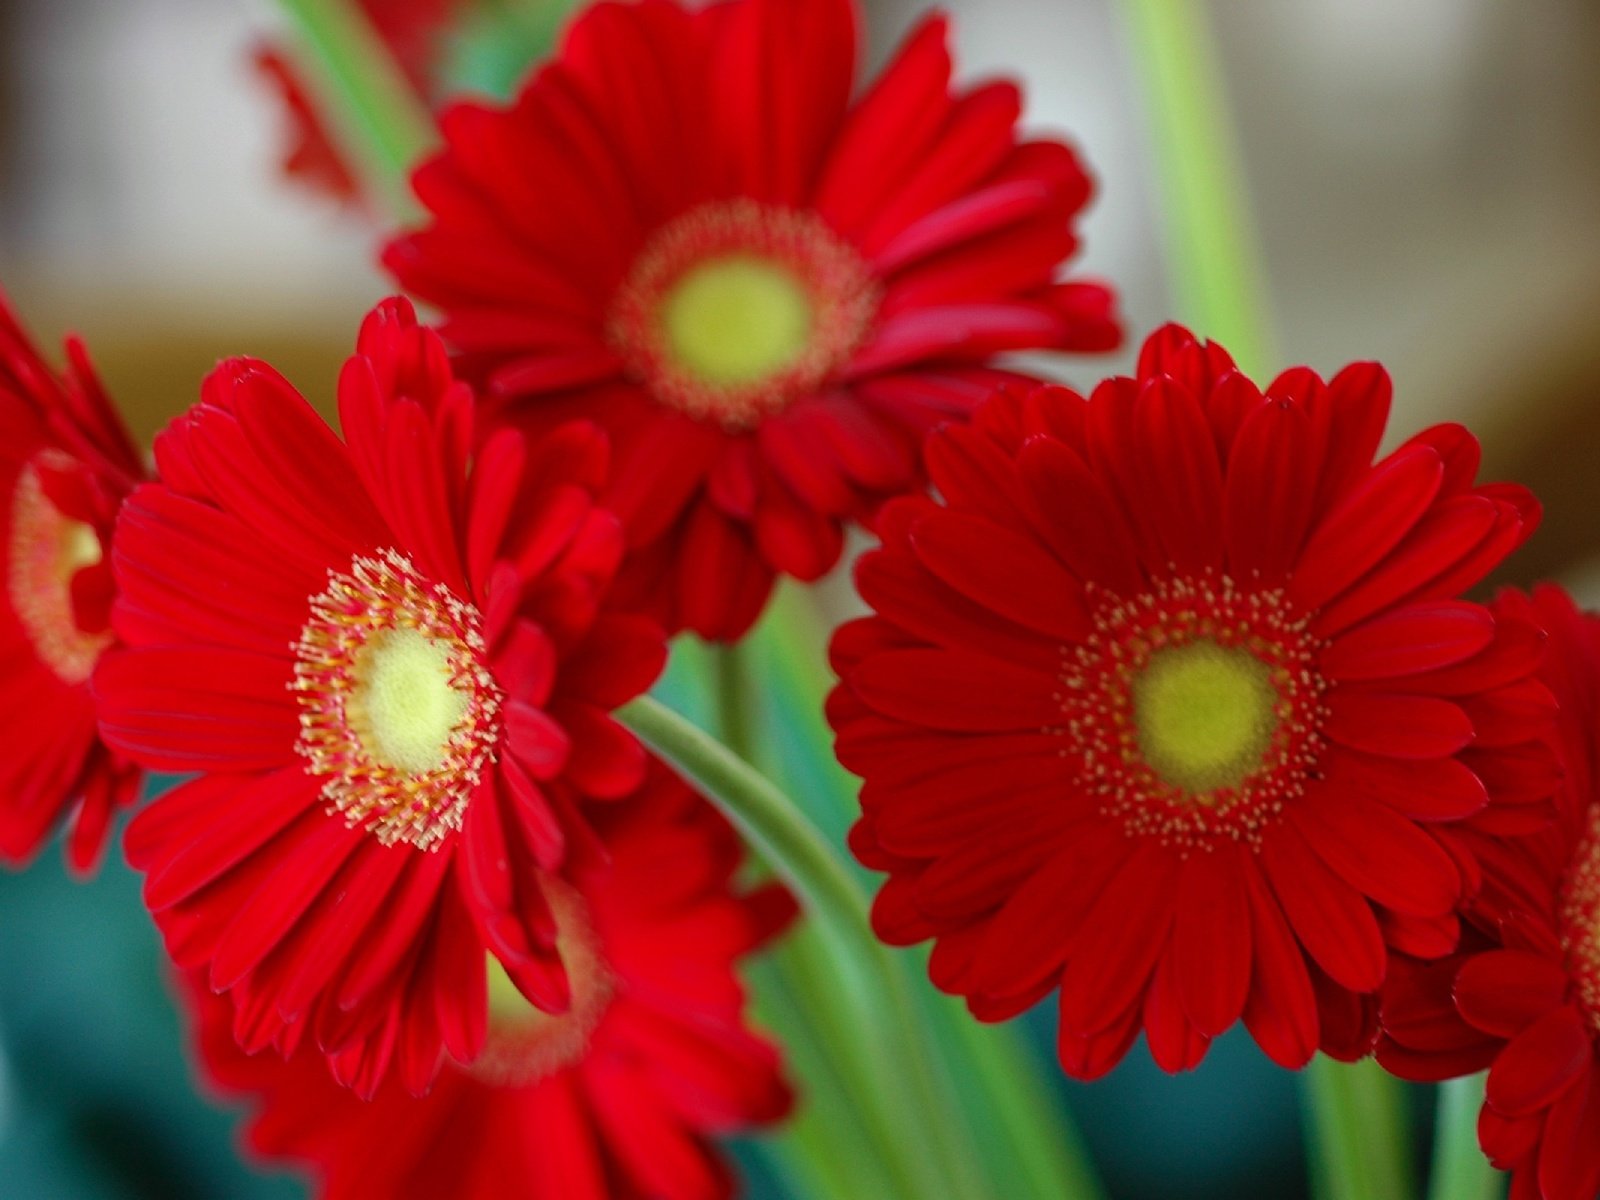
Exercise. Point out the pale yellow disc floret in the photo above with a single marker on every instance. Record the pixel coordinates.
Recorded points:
(406, 703)
(1205, 715)
(737, 319)
(80, 547)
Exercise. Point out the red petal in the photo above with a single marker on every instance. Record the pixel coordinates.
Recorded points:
(1271, 479)
(1077, 517)
(1540, 1063)
(1175, 1044)
(1211, 938)
(1380, 852)
(1367, 523)
(1008, 574)
(1396, 726)
(1504, 991)
(1408, 641)
(950, 690)
(1124, 936)
(1332, 920)
(1281, 1009)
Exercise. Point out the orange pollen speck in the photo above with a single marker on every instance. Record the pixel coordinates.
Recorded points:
(1193, 711)
(48, 549)
(526, 1044)
(398, 714)
(736, 309)
(1580, 919)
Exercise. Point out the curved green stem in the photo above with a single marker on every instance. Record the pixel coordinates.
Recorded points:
(1460, 1169)
(908, 1099)
(382, 122)
(1360, 1149)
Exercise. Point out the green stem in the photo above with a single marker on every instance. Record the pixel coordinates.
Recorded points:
(1460, 1170)
(1217, 277)
(910, 1108)
(1360, 1148)
(384, 124)
(734, 698)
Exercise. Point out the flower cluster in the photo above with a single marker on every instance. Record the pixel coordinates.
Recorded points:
(1175, 701)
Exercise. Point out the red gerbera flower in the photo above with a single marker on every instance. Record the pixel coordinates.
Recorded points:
(1171, 703)
(615, 1099)
(66, 462)
(411, 31)
(384, 655)
(1522, 998)
(767, 291)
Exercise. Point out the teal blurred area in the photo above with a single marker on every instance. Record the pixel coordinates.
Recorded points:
(97, 1099)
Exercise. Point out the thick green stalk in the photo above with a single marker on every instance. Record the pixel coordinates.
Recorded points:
(1218, 282)
(1356, 1114)
(907, 1096)
(381, 123)
(1460, 1169)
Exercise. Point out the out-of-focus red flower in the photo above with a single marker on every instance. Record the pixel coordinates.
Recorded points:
(1522, 997)
(386, 658)
(767, 287)
(615, 1100)
(1170, 703)
(66, 463)
(412, 32)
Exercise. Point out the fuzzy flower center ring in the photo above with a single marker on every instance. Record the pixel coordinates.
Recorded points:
(398, 713)
(48, 549)
(527, 1044)
(736, 308)
(1197, 708)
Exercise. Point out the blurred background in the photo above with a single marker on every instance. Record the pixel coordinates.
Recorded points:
(1423, 179)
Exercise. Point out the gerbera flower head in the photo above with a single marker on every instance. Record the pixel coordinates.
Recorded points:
(619, 1098)
(690, 228)
(66, 462)
(387, 659)
(1521, 998)
(1170, 701)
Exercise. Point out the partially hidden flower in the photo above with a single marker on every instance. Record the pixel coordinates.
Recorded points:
(1522, 997)
(766, 287)
(1171, 704)
(617, 1099)
(386, 658)
(412, 34)
(66, 463)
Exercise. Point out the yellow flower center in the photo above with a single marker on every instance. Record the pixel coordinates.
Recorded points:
(48, 549)
(1193, 712)
(406, 704)
(1206, 715)
(736, 309)
(737, 319)
(399, 715)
